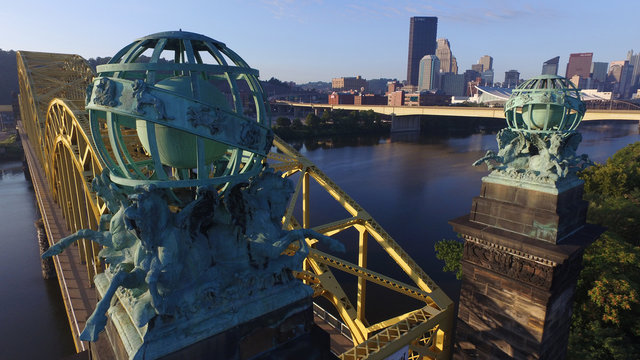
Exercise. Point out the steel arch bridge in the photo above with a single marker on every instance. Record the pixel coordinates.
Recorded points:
(56, 126)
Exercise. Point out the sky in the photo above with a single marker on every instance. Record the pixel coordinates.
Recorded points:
(316, 40)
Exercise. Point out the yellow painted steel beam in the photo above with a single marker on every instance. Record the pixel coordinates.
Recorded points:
(374, 277)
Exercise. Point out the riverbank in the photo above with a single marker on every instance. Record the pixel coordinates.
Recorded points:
(10, 146)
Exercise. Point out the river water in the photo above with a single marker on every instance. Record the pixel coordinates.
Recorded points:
(412, 185)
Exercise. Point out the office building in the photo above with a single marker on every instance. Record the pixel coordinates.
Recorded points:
(422, 41)
(393, 86)
(477, 67)
(471, 79)
(634, 59)
(511, 79)
(349, 83)
(599, 71)
(340, 98)
(369, 99)
(579, 64)
(550, 67)
(619, 78)
(395, 98)
(448, 63)
(429, 71)
(486, 62)
(452, 84)
(487, 77)
(426, 98)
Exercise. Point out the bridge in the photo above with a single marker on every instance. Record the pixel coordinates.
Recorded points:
(63, 160)
(455, 111)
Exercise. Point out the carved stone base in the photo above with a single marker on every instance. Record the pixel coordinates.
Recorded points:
(241, 331)
(547, 213)
(518, 283)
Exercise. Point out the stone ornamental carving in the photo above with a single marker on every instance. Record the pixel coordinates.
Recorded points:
(508, 264)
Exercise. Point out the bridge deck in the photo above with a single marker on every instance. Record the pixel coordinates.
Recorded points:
(459, 111)
(77, 294)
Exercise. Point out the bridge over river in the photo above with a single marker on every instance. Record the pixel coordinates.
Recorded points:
(406, 115)
(62, 160)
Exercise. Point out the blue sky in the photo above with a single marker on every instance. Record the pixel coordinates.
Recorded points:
(315, 40)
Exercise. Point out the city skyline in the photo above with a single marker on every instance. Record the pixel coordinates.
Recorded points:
(320, 40)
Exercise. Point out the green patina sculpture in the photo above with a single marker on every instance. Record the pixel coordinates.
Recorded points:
(189, 112)
(539, 146)
(194, 237)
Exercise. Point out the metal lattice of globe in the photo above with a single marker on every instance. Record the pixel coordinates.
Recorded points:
(545, 104)
(178, 109)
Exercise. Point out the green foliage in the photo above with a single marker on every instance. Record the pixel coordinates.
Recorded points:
(331, 123)
(619, 176)
(9, 140)
(312, 120)
(283, 122)
(450, 251)
(296, 124)
(606, 311)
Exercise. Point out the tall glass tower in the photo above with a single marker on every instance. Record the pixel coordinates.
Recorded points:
(429, 71)
(422, 41)
(550, 67)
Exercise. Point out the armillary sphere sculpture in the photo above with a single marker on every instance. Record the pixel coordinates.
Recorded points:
(194, 237)
(195, 105)
(540, 143)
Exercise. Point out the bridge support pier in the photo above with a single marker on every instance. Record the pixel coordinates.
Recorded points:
(522, 257)
(405, 123)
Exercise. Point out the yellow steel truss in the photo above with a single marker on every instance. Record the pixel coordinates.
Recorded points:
(52, 92)
(427, 331)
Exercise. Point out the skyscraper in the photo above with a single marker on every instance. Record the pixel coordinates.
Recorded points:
(550, 67)
(599, 71)
(487, 77)
(429, 71)
(487, 62)
(477, 67)
(511, 79)
(448, 63)
(579, 64)
(422, 41)
(619, 77)
(634, 59)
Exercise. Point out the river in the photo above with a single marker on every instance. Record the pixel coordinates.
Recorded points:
(412, 185)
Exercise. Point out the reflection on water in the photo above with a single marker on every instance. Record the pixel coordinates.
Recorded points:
(33, 323)
(413, 184)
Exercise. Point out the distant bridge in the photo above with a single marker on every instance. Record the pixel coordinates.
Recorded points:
(458, 111)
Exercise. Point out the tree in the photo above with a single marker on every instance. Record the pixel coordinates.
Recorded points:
(283, 122)
(450, 251)
(296, 124)
(312, 120)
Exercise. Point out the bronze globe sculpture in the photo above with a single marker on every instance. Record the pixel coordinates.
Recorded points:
(545, 104)
(177, 109)
(540, 142)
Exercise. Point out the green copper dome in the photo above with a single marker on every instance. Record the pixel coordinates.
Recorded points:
(178, 109)
(545, 104)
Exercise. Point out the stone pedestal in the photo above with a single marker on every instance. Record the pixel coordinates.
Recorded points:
(522, 257)
(283, 334)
